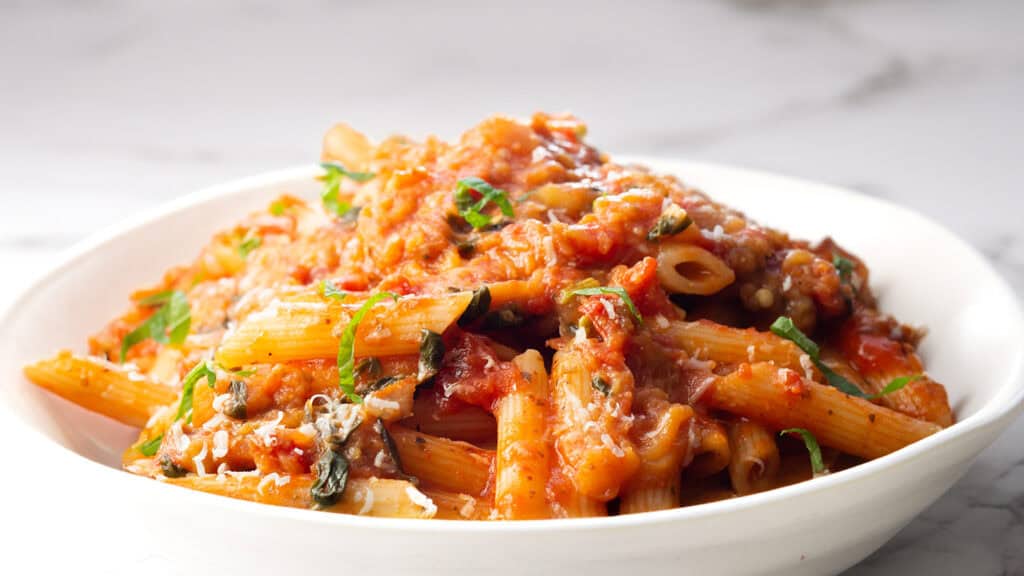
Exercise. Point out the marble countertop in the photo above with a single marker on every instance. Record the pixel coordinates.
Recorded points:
(110, 107)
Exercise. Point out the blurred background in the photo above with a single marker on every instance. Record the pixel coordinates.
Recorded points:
(109, 107)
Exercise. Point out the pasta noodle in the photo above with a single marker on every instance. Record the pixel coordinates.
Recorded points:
(511, 326)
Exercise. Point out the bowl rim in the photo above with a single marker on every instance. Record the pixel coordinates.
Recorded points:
(1006, 403)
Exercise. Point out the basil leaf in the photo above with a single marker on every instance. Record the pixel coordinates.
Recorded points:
(470, 208)
(895, 385)
(329, 290)
(614, 290)
(248, 244)
(332, 184)
(817, 464)
(346, 347)
(601, 385)
(201, 370)
(671, 222)
(170, 468)
(151, 446)
(478, 306)
(431, 354)
(844, 267)
(784, 327)
(370, 366)
(337, 170)
(331, 478)
(168, 325)
(277, 208)
(389, 443)
(237, 404)
(508, 316)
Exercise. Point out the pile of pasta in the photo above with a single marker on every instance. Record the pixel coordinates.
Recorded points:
(509, 326)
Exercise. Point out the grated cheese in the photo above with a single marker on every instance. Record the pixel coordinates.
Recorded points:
(220, 443)
(422, 500)
(198, 461)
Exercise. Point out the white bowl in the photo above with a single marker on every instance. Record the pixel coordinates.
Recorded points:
(922, 272)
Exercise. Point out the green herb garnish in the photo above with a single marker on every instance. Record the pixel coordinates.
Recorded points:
(203, 369)
(329, 290)
(168, 325)
(277, 208)
(784, 327)
(332, 184)
(170, 468)
(470, 208)
(331, 478)
(895, 385)
(671, 222)
(431, 354)
(845, 268)
(151, 446)
(478, 306)
(346, 347)
(237, 404)
(817, 464)
(599, 290)
(248, 244)
(601, 385)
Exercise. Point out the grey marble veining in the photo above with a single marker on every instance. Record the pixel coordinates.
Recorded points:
(109, 107)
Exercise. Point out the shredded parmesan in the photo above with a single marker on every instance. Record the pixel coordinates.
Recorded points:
(422, 500)
(378, 460)
(751, 353)
(615, 448)
(198, 461)
(468, 506)
(380, 405)
(787, 283)
(218, 402)
(278, 480)
(265, 432)
(608, 308)
(220, 443)
(367, 497)
(807, 365)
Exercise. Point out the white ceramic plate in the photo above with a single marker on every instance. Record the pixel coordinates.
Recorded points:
(923, 274)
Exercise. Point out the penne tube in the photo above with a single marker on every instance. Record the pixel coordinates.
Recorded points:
(779, 398)
(102, 387)
(661, 433)
(522, 457)
(710, 452)
(469, 424)
(458, 506)
(690, 269)
(755, 457)
(443, 463)
(288, 330)
(362, 496)
(592, 444)
(708, 340)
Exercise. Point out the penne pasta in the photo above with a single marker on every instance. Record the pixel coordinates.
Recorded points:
(522, 456)
(707, 340)
(661, 433)
(103, 387)
(469, 424)
(300, 330)
(443, 463)
(754, 462)
(779, 398)
(689, 269)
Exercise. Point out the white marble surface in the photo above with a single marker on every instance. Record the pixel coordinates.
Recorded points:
(109, 107)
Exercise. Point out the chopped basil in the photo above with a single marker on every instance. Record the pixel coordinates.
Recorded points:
(277, 208)
(188, 387)
(817, 464)
(236, 405)
(151, 446)
(331, 478)
(478, 306)
(170, 468)
(431, 354)
(332, 183)
(895, 385)
(671, 222)
(248, 244)
(369, 366)
(784, 327)
(844, 267)
(470, 208)
(389, 443)
(329, 290)
(346, 347)
(168, 325)
(601, 385)
(508, 316)
(613, 290)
